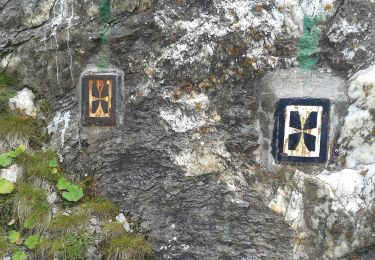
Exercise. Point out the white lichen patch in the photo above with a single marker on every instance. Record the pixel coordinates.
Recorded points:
(42, 14)
(231, 16)
(203, 159)
(289, 201)
(352, 190)
(340, 29)
(357, 137)
(340, 197)
(190, 114)
(181, 122)
(11, 174)
(23, 102)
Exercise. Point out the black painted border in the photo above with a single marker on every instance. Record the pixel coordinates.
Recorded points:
(325, 103)
(97, 121)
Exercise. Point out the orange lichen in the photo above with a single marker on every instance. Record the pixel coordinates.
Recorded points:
(176, 94)
(235, 50)
(249, 62)
(366, 90)
(259, 8)
(328, 7)
(198, 107)
(151, 72)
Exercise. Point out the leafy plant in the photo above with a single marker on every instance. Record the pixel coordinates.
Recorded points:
(7, 158)
(19, 255)
(32, 241)
(37, 165)
(6, 186)
(70, 192)
(20, 149)
(14, 237)
(52, 163)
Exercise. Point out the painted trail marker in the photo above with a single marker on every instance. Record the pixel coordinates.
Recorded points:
(99, 100)
(302, 130)
(101, 92)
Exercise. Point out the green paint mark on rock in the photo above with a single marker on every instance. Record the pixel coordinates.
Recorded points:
(309, 43)
(105, 19)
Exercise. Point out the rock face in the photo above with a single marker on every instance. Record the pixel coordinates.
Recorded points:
(191, 161)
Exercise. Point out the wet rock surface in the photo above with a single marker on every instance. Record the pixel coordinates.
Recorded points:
(191, 161)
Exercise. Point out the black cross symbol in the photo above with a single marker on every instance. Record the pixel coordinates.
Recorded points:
(100, 97)
(301, 131)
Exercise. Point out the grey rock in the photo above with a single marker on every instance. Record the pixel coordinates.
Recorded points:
(190, 161)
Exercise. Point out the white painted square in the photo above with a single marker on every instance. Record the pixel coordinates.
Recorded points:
(304, 112)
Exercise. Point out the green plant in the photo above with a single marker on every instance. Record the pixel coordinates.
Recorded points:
(6, 209)
(4, 246)
(132, 247)
(67, 247)
(37, 165)
(101, 207)
(113, 230)
(70, 192)
(6, 159)
(33, 209)
(6, 186)
(47, 110)
(6, 92)
(76, 246)
(18, 126)
(53, 165)
(15, 237)
(48, 248)
(68, 223)
(5, 81)
(19, 255)
(32, 241)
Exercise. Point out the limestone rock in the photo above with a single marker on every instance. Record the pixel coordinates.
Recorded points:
(23, 102)
(192, 158)
(11, 174)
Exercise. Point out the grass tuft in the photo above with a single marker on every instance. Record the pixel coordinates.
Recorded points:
(6, 92)
(101, 207)
(17, 126)
(113, 230)
(32, 206)
(67, 247)
(37, 165)
(4, 246)
(130, 247)
(68, 223)
(6, 209)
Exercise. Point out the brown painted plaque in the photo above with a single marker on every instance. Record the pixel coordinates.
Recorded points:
(99, 100)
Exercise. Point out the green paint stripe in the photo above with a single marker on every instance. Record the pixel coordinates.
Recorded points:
(105, 19)
(309, 42)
